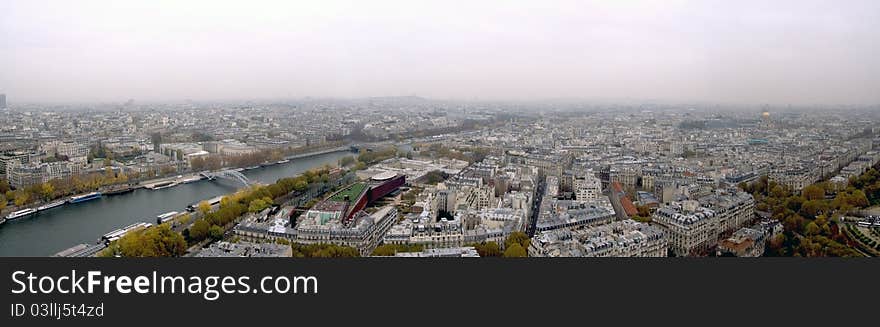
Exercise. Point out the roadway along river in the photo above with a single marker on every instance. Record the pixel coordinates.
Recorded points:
(53, 230)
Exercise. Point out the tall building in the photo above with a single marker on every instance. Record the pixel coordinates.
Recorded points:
(626, 238)
(587, 187)
(2, 101)
(362, 231)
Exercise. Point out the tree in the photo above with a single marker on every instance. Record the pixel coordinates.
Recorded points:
(745, 187)
(184, 218)
(199, 230)
(812, 228)
(433, 177)
(121, 178)
(257, 205)
(779, 192)
(345, 161)
(204, 208)
(389, 250)
(3, 202)
(812, 208)
(777, 244)
(384, 250)
(4, 185)
(515, 251)
(813, 192)
(47, 191)
(158, 241)
(216, 232)
(323, 251)
(300, 185)
(517, 238)
(21, 197)
(488, 249)
(858, 199)
(644, 211)
(794, 203)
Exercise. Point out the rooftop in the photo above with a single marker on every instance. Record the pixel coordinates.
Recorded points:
(349, 194)
(386, 175)
(330, 206)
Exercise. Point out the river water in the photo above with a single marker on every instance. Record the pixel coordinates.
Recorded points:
(48, 232)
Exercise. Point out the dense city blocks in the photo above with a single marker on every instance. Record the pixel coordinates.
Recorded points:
(439, 178)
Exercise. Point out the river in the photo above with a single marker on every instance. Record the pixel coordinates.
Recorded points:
(53, 230)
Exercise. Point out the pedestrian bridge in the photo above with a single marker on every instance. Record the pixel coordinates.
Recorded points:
(229, 174)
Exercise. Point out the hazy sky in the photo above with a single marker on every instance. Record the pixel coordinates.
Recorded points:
(776, 52)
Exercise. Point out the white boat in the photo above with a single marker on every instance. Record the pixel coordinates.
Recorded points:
(20, 213)
(84, 197)
(283, 161)
(50, 205)
(162, 185)
(119, 233)
(191, 179)
(165, 217)
(212, 201)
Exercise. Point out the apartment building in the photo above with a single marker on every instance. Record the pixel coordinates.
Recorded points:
(626, 238)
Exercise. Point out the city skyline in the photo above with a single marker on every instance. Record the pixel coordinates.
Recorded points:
(206, 160)
(783, 53)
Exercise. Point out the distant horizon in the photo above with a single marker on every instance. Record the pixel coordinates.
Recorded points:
(547, 101)
(787, 52)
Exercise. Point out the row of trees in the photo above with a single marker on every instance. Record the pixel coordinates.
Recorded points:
(488, 249)
(372, 157)
(433, 177)
(217, 161)
(323, 251)
(160, 241)
(864, 239)
(366, 158)
(62, 187)
(347, 161)
(156, 241)
(469, 154)
(389, 250)
(515, 245)
(213, 224)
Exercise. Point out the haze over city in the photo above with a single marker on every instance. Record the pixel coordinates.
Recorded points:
(757, 52)
(325, 142)
(440, 129)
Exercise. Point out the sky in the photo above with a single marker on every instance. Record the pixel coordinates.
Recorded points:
(752, 52)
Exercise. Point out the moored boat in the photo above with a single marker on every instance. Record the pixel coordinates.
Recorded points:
(84, 197)
(162, 185)
(20, 213)
(50, 205)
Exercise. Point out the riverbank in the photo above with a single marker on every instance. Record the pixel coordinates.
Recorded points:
(52, 231)
(169, 181)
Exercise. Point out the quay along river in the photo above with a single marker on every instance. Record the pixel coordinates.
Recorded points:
(50, 231)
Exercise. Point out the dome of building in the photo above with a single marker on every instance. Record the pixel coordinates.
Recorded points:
(383, 176)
